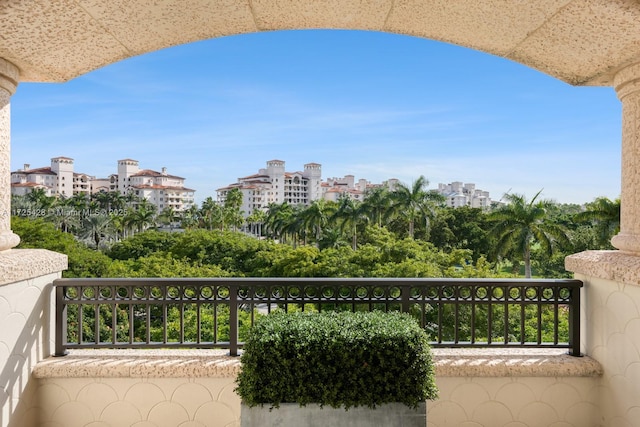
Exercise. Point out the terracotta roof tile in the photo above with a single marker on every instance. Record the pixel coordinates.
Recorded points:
(39, 171)
(29, 184)
(149, 172)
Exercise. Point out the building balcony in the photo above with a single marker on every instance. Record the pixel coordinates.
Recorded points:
(140, 370)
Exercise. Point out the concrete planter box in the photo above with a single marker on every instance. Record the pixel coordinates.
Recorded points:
(293, 415)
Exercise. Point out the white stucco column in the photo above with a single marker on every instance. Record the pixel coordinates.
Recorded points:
(9, 76)
(627, 86)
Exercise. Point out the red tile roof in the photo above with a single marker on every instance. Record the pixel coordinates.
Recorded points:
(257, 175)
(149, 172)
(39, 171)
(161, 187)
(28, 184)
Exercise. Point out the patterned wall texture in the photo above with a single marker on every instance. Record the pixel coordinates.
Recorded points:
(515, 402)
(142, 388)
(25, 309)
(161, 389)
(612, 336)
(120, 402)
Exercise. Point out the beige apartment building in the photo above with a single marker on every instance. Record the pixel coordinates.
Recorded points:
(159, 188)
(59, 179)
(458, 194)
(274, 185)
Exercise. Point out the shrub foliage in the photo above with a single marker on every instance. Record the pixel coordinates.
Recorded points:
(340, 359)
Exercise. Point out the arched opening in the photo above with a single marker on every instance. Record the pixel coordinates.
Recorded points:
(372, 104)
(580, 42)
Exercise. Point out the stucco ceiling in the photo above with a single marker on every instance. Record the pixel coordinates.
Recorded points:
(582, 42)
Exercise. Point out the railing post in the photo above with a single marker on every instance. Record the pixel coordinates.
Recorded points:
(61, 322)
(574, 323)
(233, 319)
(405, 297)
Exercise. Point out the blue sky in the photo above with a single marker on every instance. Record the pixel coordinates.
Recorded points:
(373, 105)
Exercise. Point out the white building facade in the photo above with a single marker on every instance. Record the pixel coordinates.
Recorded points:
(274, 185)
(60, 180)
(57, 180)
(459, 194)
(158, 188)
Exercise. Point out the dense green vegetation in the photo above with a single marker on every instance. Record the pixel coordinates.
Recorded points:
(407, 232)
(403, 233)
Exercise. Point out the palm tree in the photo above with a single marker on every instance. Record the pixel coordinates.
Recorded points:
(22, 206)
(191, 217)
(206, 213)
(40, 199)
(130, 199)
(96, 228)
(128, 223)
(169, 216)
(65, 218)
(255, 221)
(316, 216)
(415, 202)
(211, 214)
(118, 201)
(119, 224)
(79, 201)
(277, 214)
(604, 214)
(144, 216)
(103, 199)
(377, 204)
(233, 216)
(350, 214)
(520, 223)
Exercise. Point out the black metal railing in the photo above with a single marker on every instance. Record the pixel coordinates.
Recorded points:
(218, 312)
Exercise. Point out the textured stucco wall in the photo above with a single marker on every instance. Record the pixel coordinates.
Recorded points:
(611, 324)
(211, 402)
(156, 402)
(478, 388)
(515, 402)
(25, 339)
(142, 388)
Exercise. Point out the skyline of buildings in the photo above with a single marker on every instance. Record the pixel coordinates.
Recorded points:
(272, 184)
(60, 180)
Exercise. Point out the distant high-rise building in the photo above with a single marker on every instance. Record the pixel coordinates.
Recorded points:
(275, 185)
(158, 188)
(57, 180)
(459, 194)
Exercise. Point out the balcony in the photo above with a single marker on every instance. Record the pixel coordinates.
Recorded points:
(209, 313)
(165, 354)
(581, 43)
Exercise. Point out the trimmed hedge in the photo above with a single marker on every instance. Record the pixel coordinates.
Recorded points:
(341, 359)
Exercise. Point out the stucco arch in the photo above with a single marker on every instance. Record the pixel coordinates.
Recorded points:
(581, 42)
